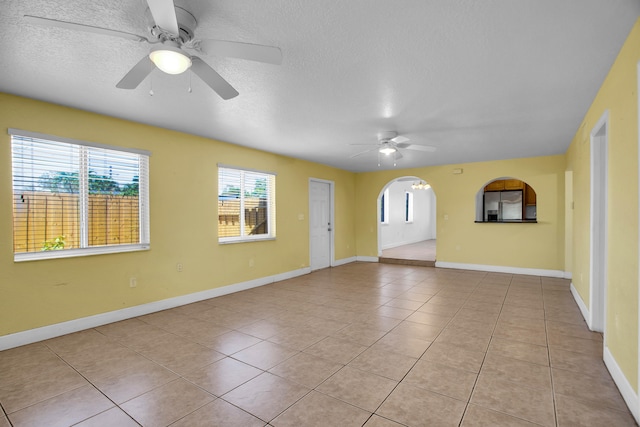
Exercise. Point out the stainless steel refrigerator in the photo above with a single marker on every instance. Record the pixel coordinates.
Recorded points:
(503, 206)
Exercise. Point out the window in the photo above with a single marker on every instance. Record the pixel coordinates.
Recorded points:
(408, 206)
(73, 198)
(246, 205)
(384, 207)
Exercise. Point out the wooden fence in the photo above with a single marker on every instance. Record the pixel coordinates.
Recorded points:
(41, 216)
(255, 217)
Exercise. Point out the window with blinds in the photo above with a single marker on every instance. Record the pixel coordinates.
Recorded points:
(246, 205)
(74, 198)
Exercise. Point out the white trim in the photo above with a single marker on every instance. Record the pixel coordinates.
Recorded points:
(598, 193)
(501, 269)
(242, 168)
(72, 253)
(626, 390)
(637, 413)
(581, 305)
(367, 258)
(36, 135)
(58, 329)
(344, 261)
(332, 218)
(568, 275)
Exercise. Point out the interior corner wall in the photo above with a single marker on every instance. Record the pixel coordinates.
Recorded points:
(460, 240)
(183, 211)
(619, 96)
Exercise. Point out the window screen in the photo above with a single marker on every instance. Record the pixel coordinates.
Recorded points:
(246, 205)
(69, 197)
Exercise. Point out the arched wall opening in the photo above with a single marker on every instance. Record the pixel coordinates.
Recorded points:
(506, 199)
(406, 214)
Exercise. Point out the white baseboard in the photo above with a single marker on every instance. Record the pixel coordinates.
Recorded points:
(581, 305)
(568, 275)
(51, 331)
(367, 258)
(626, 390)
(501, 269)
(344, 261)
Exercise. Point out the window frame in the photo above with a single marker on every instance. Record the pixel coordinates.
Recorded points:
(384, 207)
(408, 207)
(271, 207)
(143, 202)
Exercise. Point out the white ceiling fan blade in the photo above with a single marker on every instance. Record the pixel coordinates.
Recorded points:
(400, 139)
(398, 155)
(164, 15)
(252, 52)
(36, 20)
(137, 74)
(416, 147)
(212, 78)
(362, 152)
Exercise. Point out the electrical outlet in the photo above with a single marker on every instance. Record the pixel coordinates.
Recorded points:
(133, 282)
(179, 267)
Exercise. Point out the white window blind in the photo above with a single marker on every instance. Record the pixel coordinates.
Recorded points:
(246, 205)
(71, 199)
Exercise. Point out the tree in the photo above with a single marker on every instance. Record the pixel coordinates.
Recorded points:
(132, 188)
(68, 182)
(231, 191)
(259, 189)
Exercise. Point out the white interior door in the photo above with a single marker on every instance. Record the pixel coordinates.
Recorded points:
(320, 224)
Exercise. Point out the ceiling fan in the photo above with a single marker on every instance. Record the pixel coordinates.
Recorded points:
(171, 34)
(390, 143)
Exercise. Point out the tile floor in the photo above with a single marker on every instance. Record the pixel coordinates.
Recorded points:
(420, 251)
(368, 344)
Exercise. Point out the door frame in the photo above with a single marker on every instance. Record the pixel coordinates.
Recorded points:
(599, 158)
(332, 257)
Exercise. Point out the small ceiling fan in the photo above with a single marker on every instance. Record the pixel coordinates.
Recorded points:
(171, 34)
(390, 143)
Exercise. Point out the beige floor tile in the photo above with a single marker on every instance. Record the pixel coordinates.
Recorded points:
(336, 350)
(266, 396)
(574, 412)
(63, 410)
(429, 319)
(319, 410)
(576, 345)
(414, 406)
(306, 369)
(441, 379)
(418, 330)
(517, 371)
(263, 329)
(402, 344)
(19, 393)
(395, 312)
(532, 323)
(184, 357)
(477, 416)
(4, 422)
(599, 390)
(77, 341)
(359, 388)
(404, 304)
(104, 362)
(232, 342)
(439, 309)
(465, 339)
(167, 403)
(297, 339)
(578, 362)
(384, 363)
(123, 387)
(222, 376)
(535, 313)
(377, 322)
(535, 405)
(219, 413)
(519, 350)
(516, 333)
(378, 421)
(572, 330)
(21, 363)
(112, 417)
(264, 355)
(455, 357)
(359, 334)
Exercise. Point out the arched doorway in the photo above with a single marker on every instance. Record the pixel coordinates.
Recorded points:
(407, 222)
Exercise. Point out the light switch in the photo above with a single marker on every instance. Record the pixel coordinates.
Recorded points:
(300, 217)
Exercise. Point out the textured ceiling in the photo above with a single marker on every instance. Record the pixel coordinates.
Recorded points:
(479, 80)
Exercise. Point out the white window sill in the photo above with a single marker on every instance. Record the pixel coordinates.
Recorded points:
(231, 240)
(72, 253)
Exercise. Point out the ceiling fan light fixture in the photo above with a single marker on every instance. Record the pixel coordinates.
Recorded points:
(422, 185)
(386, 150)
(170, 59)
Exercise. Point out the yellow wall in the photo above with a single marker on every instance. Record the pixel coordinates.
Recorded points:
(618, 95)
(459, 238)
(183, 197)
